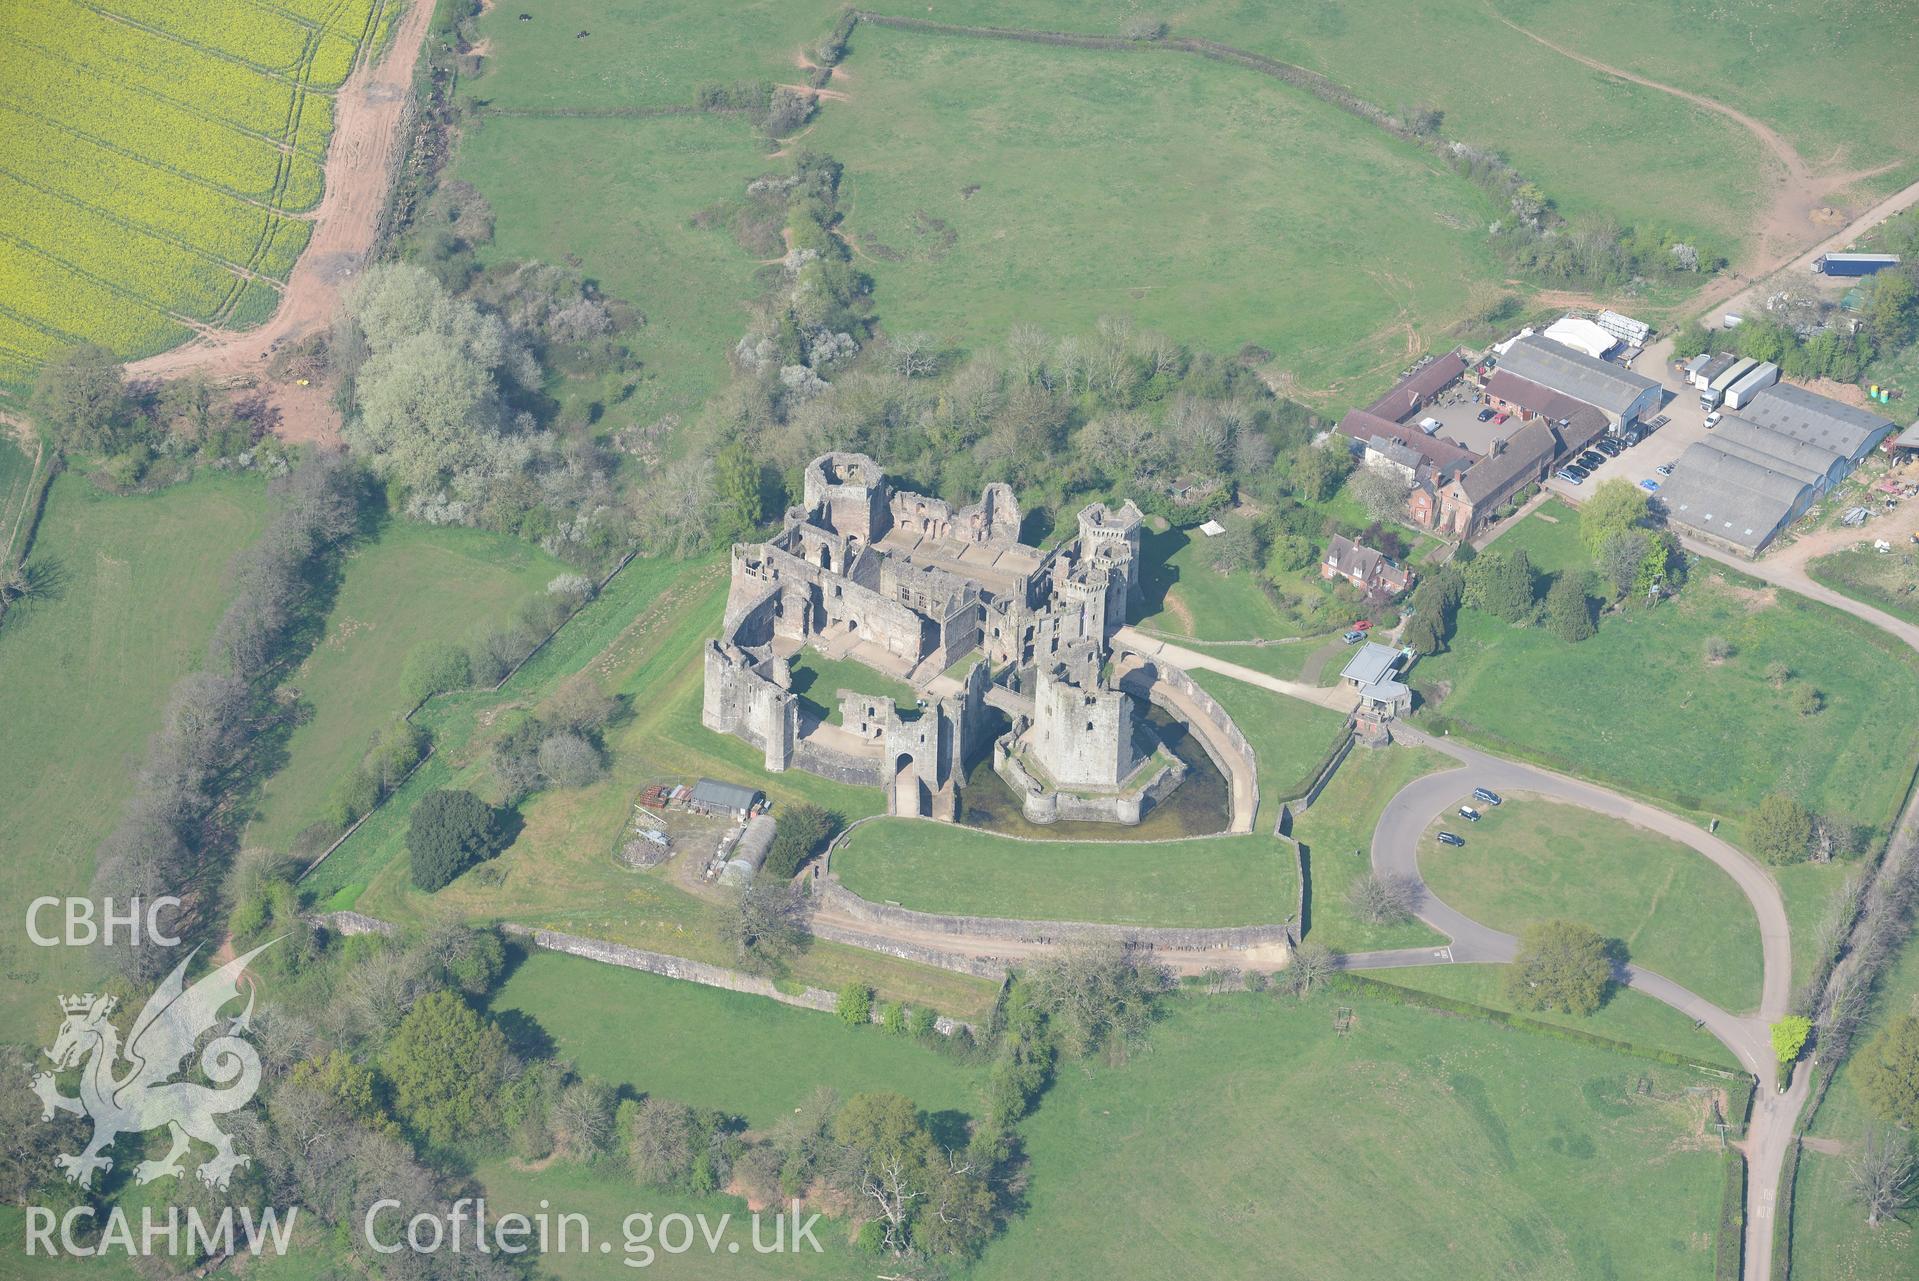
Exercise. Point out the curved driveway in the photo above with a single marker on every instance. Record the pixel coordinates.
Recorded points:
(1396, 852)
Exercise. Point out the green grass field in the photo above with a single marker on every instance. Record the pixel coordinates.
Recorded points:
(1606, 145)
(1885, 581)
(16, 484)
(1182, 594)
(84, 675)
(1640, 707)
(1337, 835)
(1252, 1140)
(1830, 1238)
(930, 867)
(818, 679)
(619, 196)
(411, 585)
(990, 183)
(1291, 738)
(1678, 915)
(663, 1037)
(1628, 1016)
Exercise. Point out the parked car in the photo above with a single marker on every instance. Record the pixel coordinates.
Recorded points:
(1486, 413)
(1592, 460)
(1500, 418)
(1650, 486)
(1610, 447)
(1468, 813)
(1363, 625)
(1487, 795)
(1712, 419)
(1566, 474)
(1447, 838)
(1354, 637)
(1576, 471)
(1664, 469)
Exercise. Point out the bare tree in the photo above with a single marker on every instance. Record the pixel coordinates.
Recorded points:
(1383, 899)
(1313, 964)
(767, 925)
(1883, 1174)
(1381, 491)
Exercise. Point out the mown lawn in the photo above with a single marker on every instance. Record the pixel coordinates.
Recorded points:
(935, 867)
(1291, 738)
(1639, 706)
(1337, 835)
(990, 183)
(138, 584)
(1531, 860)
(413, 584)
(1629, 1016)
(663, 1037)
(1252, 1139)
(818, 679)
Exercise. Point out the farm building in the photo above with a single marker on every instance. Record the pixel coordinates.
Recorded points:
(1525, 399)
(1417, 389)
(1422, 456)
(1470, 501)
(1853, 264)
(1371, 571)
(710, 796)
(1582, 335)
(1766, 464)
(1621, 395)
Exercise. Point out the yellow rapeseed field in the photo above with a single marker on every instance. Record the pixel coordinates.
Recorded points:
(158, 159)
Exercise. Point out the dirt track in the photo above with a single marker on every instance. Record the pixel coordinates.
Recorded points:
(1789, 223)
(367, 140)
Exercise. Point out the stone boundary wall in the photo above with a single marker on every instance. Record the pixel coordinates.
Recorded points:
(976, 966)
(661, 963)
(349, 924)
(689, 971)
(1217, 715)
(1175, 938)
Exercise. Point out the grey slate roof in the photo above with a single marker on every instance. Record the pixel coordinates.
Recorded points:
(729, 796)
(1812, 463)
(1597, 382)
(1373, 663)
(1735, 499)
(1527, 452)
(1817, 420)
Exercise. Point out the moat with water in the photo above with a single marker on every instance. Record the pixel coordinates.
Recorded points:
(1199, 806)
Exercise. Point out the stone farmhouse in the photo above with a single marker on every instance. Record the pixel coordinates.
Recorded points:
(950, 601)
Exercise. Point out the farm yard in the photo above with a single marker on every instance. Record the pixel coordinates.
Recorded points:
(155, 159)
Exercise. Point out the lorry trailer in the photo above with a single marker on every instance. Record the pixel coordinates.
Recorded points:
(1740, 394)
(1715, 391)
(1853, 264)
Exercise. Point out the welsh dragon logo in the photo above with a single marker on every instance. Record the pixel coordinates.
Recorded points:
(132, 1090)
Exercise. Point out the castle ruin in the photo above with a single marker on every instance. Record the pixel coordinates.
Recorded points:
(911, 586)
